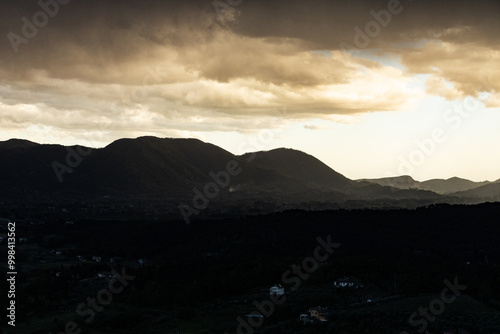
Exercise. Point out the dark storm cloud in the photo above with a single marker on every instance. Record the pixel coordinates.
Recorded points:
(97, 39)
(329, 23)
(171, 60)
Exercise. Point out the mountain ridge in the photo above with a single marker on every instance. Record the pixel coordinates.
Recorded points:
(440, 186)
(175, 168)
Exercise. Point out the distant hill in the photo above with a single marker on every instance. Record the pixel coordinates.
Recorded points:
(146, 166)
(300, 166)
(149, 165)
(17, 144)
(26, 169)
(440, 186)
(400, 182)
(175, 169)
(451, 185)
(488, 192)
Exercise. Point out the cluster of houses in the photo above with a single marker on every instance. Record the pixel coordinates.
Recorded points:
(316, 314)
(453, 331)
(97, 259)
(313, 315)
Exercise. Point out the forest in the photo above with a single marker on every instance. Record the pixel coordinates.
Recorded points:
(204, 276)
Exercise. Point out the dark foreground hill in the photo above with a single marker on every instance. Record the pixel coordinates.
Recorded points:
(201, 277)
(179, 170)
(299, 165)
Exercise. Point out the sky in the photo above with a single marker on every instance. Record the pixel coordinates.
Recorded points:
(371, 88)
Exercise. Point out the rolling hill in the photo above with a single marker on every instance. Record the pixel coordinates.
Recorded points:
(440, 186)
(150, 167)
(301, 166)
(488, 192)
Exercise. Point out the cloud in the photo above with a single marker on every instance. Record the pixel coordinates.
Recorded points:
(162, 66)
(456, 70)
(315, 127)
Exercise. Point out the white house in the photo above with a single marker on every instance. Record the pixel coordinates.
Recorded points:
(277, 290)
(105, 275)
(345, 282)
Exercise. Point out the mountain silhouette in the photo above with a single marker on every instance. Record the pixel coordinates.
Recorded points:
(176, 169)
(440, 186)
(300, 166)
(488, 192)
